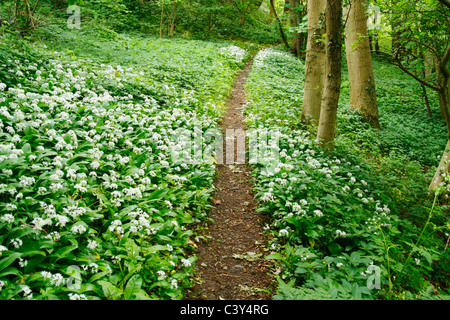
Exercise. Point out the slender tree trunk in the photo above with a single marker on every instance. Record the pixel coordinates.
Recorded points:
(241, 21)
(172, 22)
(161, 25)
(315, 63)
(377, 43)
(294, 21)
(30, 23)
(359, 60)
(328, 112)
(271, 15)
(246, 10)
(283, 37)
(425, 98)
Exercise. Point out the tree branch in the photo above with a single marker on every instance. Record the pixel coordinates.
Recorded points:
(283, 37)
(394, 59)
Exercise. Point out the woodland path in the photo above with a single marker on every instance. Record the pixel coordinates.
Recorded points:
(231, 262)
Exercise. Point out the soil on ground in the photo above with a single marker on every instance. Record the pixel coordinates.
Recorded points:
(231, 262)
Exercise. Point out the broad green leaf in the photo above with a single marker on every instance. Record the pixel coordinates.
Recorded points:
(64, 252)
(275, 256)
(301, 270)
(110, 291)
(133, 286)
(6, 262)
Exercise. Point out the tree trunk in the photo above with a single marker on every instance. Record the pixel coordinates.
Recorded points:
(314, 63)
(283, 37)
(172, 22)
(29, 17)
(294, 22)
(244, 10)
(359, 61)
(271, 14)
(444, 165)
(444, 103)
(161, 25)
(328, 112)
(442, 169)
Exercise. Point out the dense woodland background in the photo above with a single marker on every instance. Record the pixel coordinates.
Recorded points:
(360, 88)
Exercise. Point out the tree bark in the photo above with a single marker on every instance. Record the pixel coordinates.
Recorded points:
(359, 60)
(295, 21)
(315, 63)
(283, 37)
(442, 169)
(328, 112)
(172, 22)
(161, 25)
(271, 14)
(444, 102)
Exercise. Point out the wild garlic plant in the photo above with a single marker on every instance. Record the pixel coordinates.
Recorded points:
(92, 203)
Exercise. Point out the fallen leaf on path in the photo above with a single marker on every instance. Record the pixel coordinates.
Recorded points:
(216, 202)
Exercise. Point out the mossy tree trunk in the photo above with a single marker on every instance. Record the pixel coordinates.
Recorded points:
(363, 97)
(328, 112)
(315, 63)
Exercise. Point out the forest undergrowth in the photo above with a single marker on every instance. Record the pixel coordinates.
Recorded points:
(94, 207)
(357, 222)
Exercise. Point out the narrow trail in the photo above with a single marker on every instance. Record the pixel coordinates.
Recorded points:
(231, 262)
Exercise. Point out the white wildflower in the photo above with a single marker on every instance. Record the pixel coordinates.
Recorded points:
(78, 229)
(186, 262)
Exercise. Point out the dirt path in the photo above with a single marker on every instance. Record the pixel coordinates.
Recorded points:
(231, 263)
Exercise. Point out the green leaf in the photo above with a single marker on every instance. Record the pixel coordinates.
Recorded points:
(275, 256)
(6, 262)
(133, 287)
(328, 259)
(356, 293)
(64, 252)
(10, 271)
(155, 248)
(99, 275)
(141, 295)
(158, 194)
(110, 291)
(355, 257)
(26, 149)
(301, 270)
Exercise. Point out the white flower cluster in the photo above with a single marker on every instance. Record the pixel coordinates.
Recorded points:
(81, 151)
(298, 162)
(267, 53)
(234, 52)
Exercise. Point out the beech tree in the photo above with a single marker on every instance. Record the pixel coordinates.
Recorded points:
(314, 62)
(328, 112)
(359, 62)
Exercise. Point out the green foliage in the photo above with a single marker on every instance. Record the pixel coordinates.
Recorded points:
(278, 100)
(94, 207)
(407, 129)
(341, 221)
